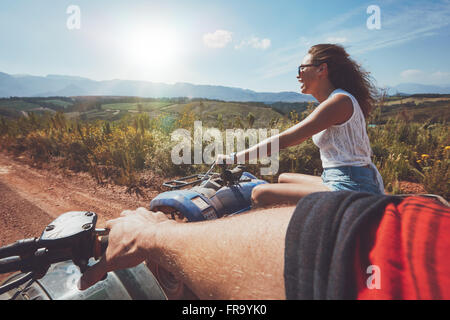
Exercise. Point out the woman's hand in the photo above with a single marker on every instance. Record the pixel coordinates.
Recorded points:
(131, 237)
(226, 159)
(223, 158)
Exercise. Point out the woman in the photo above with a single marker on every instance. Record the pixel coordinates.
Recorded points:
(337, 126)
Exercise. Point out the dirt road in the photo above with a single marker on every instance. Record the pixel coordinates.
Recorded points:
(30, 198)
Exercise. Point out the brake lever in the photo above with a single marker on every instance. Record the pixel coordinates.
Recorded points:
(100, 242)
(232, 177)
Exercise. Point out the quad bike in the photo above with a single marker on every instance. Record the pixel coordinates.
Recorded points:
(50, 266)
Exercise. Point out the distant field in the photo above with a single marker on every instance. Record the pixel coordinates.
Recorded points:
(209, 111)
(144, 106)
(206, 110)
(415, 100)
(416, 108)
(19, 105)
(17, 108)
(61, 103)
(111, 116)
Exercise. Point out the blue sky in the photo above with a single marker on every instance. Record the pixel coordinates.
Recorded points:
(249, 44)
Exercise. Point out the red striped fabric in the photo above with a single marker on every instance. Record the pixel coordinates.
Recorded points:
(406, 256)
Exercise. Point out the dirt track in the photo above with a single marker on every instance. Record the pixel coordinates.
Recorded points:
(30, 198)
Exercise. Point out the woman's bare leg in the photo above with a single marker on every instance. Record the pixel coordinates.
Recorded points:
(299, 178)
(290, 190)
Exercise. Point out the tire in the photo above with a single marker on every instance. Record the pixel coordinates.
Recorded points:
(174, 288)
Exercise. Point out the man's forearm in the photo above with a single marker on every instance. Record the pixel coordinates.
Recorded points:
(238, 257)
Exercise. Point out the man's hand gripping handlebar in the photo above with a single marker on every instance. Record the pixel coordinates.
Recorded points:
(72, 236)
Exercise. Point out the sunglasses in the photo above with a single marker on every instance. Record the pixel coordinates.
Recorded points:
(300, 68)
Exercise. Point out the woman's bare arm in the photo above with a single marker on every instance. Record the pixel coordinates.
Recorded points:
(330, 112)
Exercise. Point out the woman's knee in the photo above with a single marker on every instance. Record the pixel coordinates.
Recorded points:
(284, 178)
(258, 193)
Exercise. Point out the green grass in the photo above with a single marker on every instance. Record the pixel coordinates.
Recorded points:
(391, 101)
(206, 110)
(431, 110)
(209, 111)
(19, 105)
(60, 103)
(104, 115)
(144, 106)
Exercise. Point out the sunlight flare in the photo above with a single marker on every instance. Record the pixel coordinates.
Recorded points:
(152, 47)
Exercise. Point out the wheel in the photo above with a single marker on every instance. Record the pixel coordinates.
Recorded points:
(174, 288)
(172, 213)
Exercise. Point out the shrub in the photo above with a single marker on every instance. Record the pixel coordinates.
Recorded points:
(119, 150)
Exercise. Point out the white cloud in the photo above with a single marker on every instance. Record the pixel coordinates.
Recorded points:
(425, 77)
(411, 74)
(439, 75)
(255, 42)
(218, 39)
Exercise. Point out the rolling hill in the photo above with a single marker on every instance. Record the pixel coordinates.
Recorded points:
(58, 85)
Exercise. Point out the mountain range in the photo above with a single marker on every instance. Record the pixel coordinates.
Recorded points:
(61, 85)
(416, 88)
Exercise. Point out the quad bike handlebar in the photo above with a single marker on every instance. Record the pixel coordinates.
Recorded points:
(226, 177)
(72, 236)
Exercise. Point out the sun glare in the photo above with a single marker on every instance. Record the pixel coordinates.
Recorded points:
(152, 48)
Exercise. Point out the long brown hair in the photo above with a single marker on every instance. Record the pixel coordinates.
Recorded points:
(345, 73)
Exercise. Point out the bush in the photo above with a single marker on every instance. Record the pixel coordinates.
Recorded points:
(119, 150)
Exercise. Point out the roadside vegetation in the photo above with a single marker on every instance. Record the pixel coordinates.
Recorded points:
(118, 140)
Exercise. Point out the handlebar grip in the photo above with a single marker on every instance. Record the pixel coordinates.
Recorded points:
(101, 243)
(10, 264)
(19, 247)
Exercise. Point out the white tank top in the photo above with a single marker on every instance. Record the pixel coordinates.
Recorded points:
(346, 144)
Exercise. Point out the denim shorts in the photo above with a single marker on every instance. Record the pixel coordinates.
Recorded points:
(364, 179)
